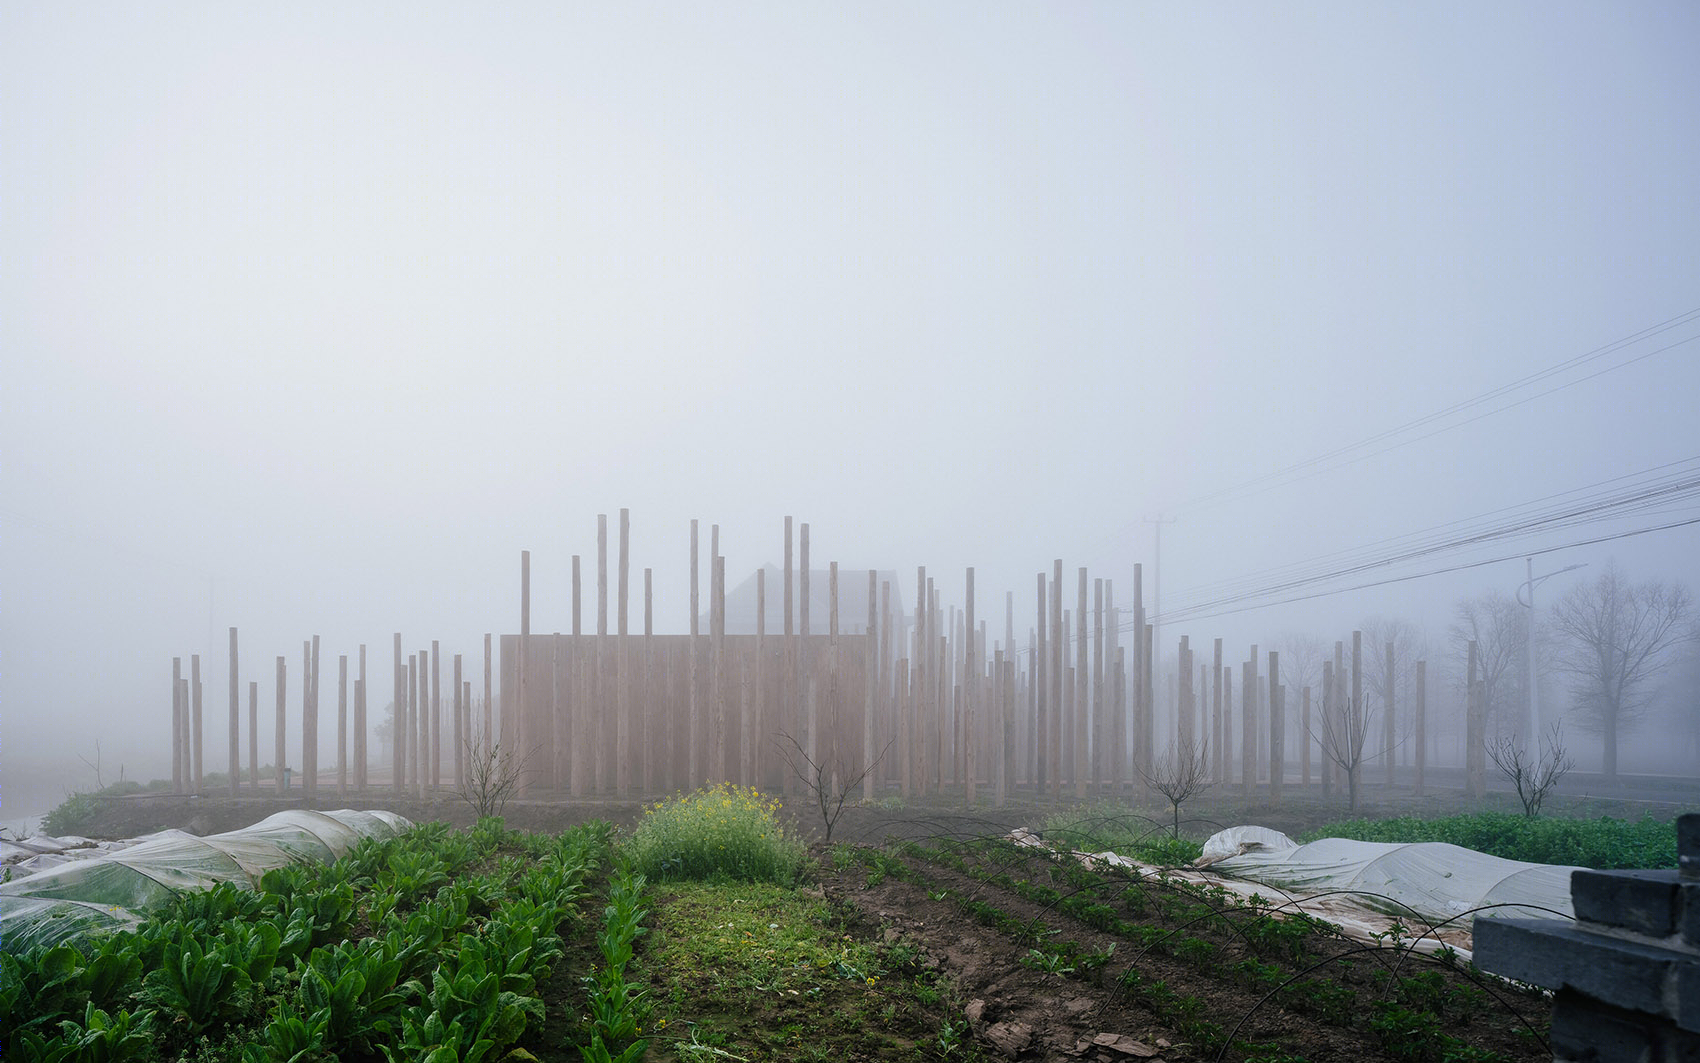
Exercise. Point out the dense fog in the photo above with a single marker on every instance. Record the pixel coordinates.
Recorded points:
(315, 317)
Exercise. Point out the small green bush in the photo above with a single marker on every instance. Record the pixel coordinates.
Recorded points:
(723, 830)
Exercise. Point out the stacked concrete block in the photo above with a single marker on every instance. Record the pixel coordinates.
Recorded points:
(1626, 974)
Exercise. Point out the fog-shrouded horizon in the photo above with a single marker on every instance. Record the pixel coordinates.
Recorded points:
(315, 316)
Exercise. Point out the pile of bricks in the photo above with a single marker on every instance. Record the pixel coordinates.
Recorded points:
(1626, 974)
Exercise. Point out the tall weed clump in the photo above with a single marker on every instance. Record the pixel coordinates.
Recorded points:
(720, 831)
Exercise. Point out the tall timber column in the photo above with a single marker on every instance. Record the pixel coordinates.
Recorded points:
(787, 707)
(1358, 719)
(235, 719)
(970, 680)
(1387, 730)
(253, 736)
(436, 709)
(195, 693)
(522, 709)
(1218, 726)
(1099, 742)
(870, 682)
(693, 750)
(1042, 693)
(178, 757)
(1420, 709)
(1057, 658)
(359, 743)
(1184, 744)
(1277, 729)
(649, 728)
(280, 755)
(1475, 748)
(599, 700)
(342, 723)
(623, 668)
(759, 725)
(1248, 725)
(811, 748)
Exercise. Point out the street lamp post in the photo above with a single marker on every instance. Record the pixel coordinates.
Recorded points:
(1530, 583)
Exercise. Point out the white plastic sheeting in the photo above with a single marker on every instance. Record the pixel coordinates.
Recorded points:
(87, 890)
(1433, 881)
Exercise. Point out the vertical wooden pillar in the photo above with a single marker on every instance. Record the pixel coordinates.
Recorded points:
(918, 678)
(195, 693)
(1147, 701)
(342, 723)
(309, 718)
(1388, 704)
(717, 677)
(1042, 692)
(462, 708)
(884, 696)
(253, 736)
(557, 733)
(398, 722)
(1475, 736)
(235, 718)
(970, 679)
(870, 681)
(811, 741)
(179, 728)
(436, 714)
(1304, 739)
(1184, 744)
(410, 718)
(489, 700)
(648, 730)
(521, 739)
(1058, 637)
(360, 760)
(1419, 708)
(834, 751)
(280, 754)
(693, 755)
(1357, 717)
(1099, 737)
(1277, 729)
(1218, 726)
(623, 669)
(1248, 726)
(758, 710)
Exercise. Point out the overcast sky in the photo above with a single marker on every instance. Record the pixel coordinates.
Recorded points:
(315, 315)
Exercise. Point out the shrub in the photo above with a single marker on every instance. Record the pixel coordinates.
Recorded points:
(723, 830)
(1116, 828)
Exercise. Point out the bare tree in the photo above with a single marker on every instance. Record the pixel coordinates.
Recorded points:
(1341, 737)
(1410, 645)
(1500, 629)
(1616, 636)
(828, 781)
(1181, 773)
(1533, 775)
(492, 775)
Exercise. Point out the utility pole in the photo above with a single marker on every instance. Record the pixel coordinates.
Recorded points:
(1157, 601)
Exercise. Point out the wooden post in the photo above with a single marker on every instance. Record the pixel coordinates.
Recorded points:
(1248, 726)
(398, 723)
(1058, 633)
(436, 714)
(1147, 699)
(1277, 729)
(917, 677)
(869, 682)
(1042, 692)
(1184, 715)
(489, 700)
(889, 717)
(412, 723)
(717, 679)
(342, 723)
(1355, 711)
(235, 719)
(462, 708)
(557, 733)
(623, 670)
(195, 692)
(970, 679)
(647, 729)
(693, 763)
(811, 747)
(758, 725)
(834, 754)
(360, 765)
(1099, 737)
(280, 753)
(1304, 738)
(1218, 725)
(1420, 709)
(253, 736)
(1475, 749)
(1387, 704)
(309, 718)
(179, 728)
(522, 738)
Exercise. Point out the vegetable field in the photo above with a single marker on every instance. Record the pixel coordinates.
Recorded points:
(710, 932)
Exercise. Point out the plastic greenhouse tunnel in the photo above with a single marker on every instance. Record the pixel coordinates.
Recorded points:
(57, 896)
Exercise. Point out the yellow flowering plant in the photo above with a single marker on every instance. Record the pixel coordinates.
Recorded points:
(723, 830)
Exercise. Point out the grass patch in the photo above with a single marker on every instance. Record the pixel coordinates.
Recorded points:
(757, 971)
(1605, 843)
(723, 831)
